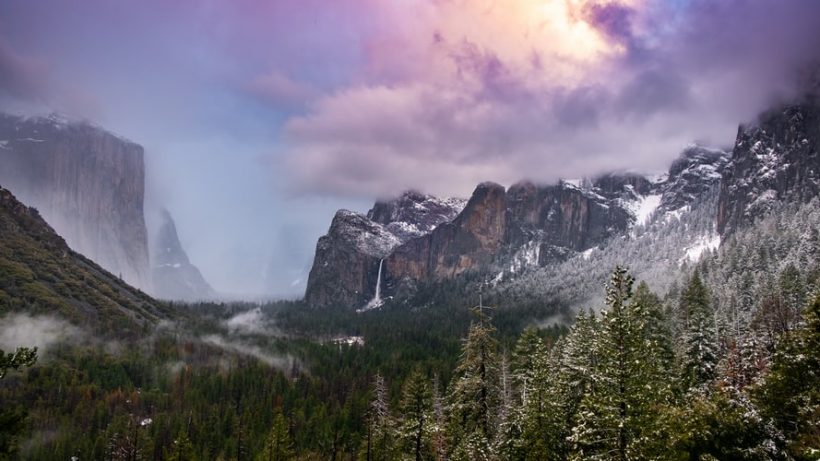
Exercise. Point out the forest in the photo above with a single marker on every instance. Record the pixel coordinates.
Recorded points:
(640, 378)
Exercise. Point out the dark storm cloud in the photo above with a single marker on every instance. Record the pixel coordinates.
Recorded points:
(614, 19)
(686, 71)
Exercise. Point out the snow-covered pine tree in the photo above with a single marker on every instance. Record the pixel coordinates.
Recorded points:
(438, 429)
(416, 424)
(508, 437)
(474, 394)
(790, 392)
(617, 413)
(699, 357)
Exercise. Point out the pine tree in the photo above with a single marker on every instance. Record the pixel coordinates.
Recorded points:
(700, 354)
(617, 413)
(790, 393)
(508, 437)
(378, 444)
(181, 449)
(278, 446)
(474, 395)
(416, 417)
(694, 299)
(439, 423)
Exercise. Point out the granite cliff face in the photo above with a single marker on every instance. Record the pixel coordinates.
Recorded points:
(346, 264)
(525, 226)
(774, 160)
(471, 239)
(174, 276)
(414, 214)
(696, 171)
(87, 183)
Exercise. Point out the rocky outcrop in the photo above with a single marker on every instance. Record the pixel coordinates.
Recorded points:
(531, 224)
(774, 160)
(414, 214)
(695, 172)
(471, 239)
(345, 266)
(174, 276)
(563, 216)
(86, 182)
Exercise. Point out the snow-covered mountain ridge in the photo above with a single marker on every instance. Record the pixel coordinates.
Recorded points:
(419, 238)
(706, 194)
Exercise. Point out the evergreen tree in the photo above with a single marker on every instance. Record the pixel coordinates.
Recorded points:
(618, 412)
(278, 446)
(474, 395)
(790, 393)
(694, 299)
(182, 450)
(378, 444)
(22, 357)
(700, 354)
(439, 423)
(508, 438)
(720, 425)
(416, 417)
(12, 419)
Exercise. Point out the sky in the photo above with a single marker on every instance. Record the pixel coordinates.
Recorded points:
(261, 118)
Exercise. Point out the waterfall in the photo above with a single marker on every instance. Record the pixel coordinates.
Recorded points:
(377, 297)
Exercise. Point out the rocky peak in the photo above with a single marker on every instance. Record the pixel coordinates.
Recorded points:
(87, 183)
(773, 160)
(413, 214)
(697, 170)
(366, 236)
(174, 276)
(484, 216)
(623, 185)
(355, 244)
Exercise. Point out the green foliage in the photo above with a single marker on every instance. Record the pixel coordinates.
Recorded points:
(790, 393)
(604, 390)
(722, 425)
(416, 410)
(474, 392)
(700, 355)
(22, 357)
(278, 446)
(627, 380)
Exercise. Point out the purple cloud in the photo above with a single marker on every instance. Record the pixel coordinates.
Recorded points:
(281, 91)
(21, 76)
(473, 110)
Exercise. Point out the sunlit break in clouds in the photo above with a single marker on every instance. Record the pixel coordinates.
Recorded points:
(260, 118)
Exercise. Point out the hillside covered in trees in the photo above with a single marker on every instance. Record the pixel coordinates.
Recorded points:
(643, 378)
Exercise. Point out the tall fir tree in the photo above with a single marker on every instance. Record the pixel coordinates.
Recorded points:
(618, 412)
(790, 393)
(379, 440)
(700, 353)
(474, 395)
(278, 445)
(416, 425)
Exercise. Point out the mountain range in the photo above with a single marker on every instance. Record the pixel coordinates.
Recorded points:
(504, 232)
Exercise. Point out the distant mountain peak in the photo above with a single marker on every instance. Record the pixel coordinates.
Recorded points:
(174, 276)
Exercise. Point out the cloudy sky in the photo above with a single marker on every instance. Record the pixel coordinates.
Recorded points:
(260, 118)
